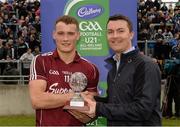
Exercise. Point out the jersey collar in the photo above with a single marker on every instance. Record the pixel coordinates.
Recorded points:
(56, 56)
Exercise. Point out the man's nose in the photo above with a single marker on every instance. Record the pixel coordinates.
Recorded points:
(65, 37)
(115, 35)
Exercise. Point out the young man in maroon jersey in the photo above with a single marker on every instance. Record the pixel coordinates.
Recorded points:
(50, 73)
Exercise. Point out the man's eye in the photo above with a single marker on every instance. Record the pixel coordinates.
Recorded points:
(71, 33)
(120, 31)
(60, 33)
(109, 32)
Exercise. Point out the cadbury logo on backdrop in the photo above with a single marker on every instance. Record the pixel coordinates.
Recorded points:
(89, 11)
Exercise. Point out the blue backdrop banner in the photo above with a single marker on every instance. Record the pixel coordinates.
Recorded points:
(92, 16)
(52, 9)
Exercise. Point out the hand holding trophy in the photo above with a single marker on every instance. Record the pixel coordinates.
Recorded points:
(78, 83)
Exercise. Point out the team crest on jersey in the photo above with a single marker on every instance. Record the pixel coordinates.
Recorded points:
(53, 72)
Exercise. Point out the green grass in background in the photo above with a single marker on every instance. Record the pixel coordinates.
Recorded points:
(171, 122)
(22, 120)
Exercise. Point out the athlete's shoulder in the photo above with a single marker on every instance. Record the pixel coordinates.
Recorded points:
(44, 56)
(88, 63)
(85, 61)
(47, 54)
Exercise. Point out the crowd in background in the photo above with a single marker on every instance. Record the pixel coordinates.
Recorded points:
(20, 29)
(159, 26)
(159, 23)
(20, 34)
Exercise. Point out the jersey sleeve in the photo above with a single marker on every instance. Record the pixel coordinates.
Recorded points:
(37, 68)
(93, 79)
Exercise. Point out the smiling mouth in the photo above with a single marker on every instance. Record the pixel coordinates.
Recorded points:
(65, 44)
(116, 42)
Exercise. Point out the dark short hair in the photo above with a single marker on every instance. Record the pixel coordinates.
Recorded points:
(121, 17)
(68, 20)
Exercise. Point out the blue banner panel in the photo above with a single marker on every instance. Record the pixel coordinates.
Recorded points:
(52, 9)
(92, 16)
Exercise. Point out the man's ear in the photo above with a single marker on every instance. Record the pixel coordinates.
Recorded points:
(132, 35)
(78, 36)
(54, 35)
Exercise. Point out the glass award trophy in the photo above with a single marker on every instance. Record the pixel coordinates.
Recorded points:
(78, 83)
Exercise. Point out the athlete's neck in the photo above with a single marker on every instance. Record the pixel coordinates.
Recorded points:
(67, 57)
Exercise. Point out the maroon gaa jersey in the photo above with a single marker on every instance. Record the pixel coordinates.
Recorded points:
(56, 73)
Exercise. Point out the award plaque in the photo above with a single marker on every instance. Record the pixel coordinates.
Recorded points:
(78, 83)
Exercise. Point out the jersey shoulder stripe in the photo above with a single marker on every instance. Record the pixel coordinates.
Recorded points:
(47, 54)
(95, 70)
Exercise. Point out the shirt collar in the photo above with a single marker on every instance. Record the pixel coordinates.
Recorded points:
(76, 58)
(124, 57)
(129, 50)
(125, 52)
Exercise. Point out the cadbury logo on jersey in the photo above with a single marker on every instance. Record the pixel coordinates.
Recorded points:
(53, 72)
